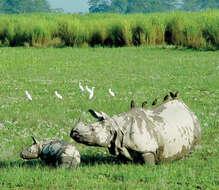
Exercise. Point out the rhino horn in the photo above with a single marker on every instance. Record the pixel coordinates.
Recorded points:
(34, 140)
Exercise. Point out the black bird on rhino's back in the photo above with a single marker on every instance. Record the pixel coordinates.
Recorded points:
(166, 98)
(154, 102)
(176, 94)
(144, 104)
(132, 104)
(172, 95)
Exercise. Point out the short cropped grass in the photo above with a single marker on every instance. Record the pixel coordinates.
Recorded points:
(132, 73)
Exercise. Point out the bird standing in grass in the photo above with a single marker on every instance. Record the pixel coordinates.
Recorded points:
(81, 87)
(91, 91)
(111, 92)
(28, 95)
(58, 95)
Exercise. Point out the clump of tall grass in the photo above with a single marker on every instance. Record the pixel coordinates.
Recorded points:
(118, 34)
(193, 30)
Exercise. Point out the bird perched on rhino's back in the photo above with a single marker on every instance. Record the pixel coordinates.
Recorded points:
(166, 132)
(53, 152)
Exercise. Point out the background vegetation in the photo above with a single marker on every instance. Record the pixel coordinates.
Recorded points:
(132, 73)
(148, 6)
(110, 6)
(198, 30)
(24, 6)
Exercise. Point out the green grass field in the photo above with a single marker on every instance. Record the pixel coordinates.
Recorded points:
(132, 73)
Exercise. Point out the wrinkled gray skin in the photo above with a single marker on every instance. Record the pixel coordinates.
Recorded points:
(53, 152)
(164, 133)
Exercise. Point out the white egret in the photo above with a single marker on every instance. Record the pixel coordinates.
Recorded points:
(88, 89)
(111, 92)
(28, 95)
(91, 91)
(81, 87)
(58, 95)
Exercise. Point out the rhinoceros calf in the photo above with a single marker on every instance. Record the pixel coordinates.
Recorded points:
(166, 132)
(53, 152)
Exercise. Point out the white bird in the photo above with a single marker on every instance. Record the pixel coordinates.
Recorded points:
(111, 92)
(28, 95)
(58, 95)
(81, 87)
(91, 91)
(88, 89)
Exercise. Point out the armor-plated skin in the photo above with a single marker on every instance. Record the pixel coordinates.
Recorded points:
(53, 152)
(163, 133)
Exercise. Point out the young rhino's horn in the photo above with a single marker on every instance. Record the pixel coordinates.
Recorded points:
(34, 140)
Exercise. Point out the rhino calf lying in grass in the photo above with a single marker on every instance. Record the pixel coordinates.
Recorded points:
(53, 152)
(163, 133)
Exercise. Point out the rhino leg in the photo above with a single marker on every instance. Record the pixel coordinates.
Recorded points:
(69, 162)
(149, 158)
(65, 162)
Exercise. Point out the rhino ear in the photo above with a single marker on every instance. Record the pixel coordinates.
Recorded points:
(34, 140)
(104, 115)
(96, 115)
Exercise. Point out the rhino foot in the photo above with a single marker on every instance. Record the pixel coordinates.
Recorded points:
(68, 162)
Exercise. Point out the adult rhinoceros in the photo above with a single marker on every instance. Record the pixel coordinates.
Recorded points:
(165, 132)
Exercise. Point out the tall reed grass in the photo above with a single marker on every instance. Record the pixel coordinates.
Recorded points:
(199, 30)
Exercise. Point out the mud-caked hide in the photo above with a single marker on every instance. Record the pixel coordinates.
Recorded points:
(166, 132)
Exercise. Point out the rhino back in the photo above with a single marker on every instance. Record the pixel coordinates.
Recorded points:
(178, 128)
(139, 134)
(52, 151)
(70, 155)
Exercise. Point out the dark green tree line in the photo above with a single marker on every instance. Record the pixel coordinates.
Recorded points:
(131, 6)
(148, 6)
(24, 6)
(198, 5)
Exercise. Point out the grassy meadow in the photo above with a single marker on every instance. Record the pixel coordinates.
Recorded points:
(197, 30)
(139, 73)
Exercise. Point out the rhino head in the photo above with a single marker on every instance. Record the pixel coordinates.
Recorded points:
(96, 134)
(32, 151)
